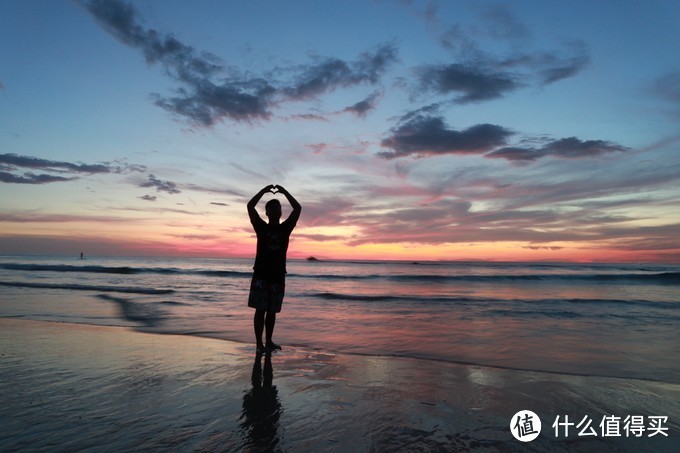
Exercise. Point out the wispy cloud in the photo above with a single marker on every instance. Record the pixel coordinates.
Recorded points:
(362, 108)
(37, 217)
(486, 78)
(476, 75)
(11, 163)
(567, 148)
(204, 101)
(332, 73)
(161, 186)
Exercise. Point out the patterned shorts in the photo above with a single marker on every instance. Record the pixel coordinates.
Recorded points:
(265, 295)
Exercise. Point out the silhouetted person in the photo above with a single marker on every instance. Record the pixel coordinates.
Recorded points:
(269, 272)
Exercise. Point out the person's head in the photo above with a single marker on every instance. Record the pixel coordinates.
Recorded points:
(273, 210)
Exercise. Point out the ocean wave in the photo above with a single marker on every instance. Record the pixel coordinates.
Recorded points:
(482, 301)
(124, 270)
(387, 298)
(658, 278)
(641, 276)
(669, 278)
(78, 287)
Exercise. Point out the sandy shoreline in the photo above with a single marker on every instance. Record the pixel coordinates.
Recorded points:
(74, 387)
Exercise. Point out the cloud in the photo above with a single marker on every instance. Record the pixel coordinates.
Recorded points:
(333, 73)
(543, 247)
(485, 78)
(473, 83)
(148, 198)
(318, 148)
(426, 134)
(201, 101)
(214, 190)
(309, 117)
(216, 203)
(545, 68)
(566, 148)
(30, 178)
(34, 217)
(34, 162)
(476, 75)
(161, 186)
(362, 108)
(10, 163)
(204, 101)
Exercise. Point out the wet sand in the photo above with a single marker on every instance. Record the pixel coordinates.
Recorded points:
(69, 387)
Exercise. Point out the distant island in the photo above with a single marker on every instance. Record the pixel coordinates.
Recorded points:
(312, 258)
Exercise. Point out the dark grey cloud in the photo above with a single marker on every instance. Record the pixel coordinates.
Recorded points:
(11, 163)
(566, 148)
(426, 134)
(15, 160)
(362, 108)
(470, 82)
(148, 198)
(161, 186)
(120, 19)
(333, 73)
(483, 77)
(217, 203)
(30, 178)
(309, 117)
(211, 92)
(476, 75)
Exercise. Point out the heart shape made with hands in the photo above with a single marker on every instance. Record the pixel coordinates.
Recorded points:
(274, 189)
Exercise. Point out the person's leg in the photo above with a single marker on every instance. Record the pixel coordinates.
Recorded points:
(258, 322)
(270, 322)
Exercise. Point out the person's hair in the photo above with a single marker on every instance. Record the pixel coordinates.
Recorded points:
(272, 203)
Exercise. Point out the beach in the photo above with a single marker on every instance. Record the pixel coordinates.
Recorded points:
(69, 387)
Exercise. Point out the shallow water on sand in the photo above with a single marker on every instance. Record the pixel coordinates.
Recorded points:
(612, 320)
(68, 387)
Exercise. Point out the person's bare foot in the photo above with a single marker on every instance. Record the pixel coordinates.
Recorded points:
(271, 347)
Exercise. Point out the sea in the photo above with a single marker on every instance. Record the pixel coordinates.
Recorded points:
(609, 320)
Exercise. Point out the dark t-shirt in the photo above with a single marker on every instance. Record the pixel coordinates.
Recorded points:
(272, 245)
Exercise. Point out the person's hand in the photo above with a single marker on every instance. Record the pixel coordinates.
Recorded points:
(270, 188)
(280, 189)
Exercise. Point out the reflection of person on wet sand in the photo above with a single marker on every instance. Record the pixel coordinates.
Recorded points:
(261, 408)
(269, 272)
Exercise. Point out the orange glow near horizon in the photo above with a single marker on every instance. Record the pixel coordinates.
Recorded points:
(136, 240)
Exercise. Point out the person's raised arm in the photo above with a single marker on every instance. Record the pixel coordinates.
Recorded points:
(252, 212)
(297, 209)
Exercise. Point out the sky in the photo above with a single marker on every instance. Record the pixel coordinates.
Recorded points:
(411, 130)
